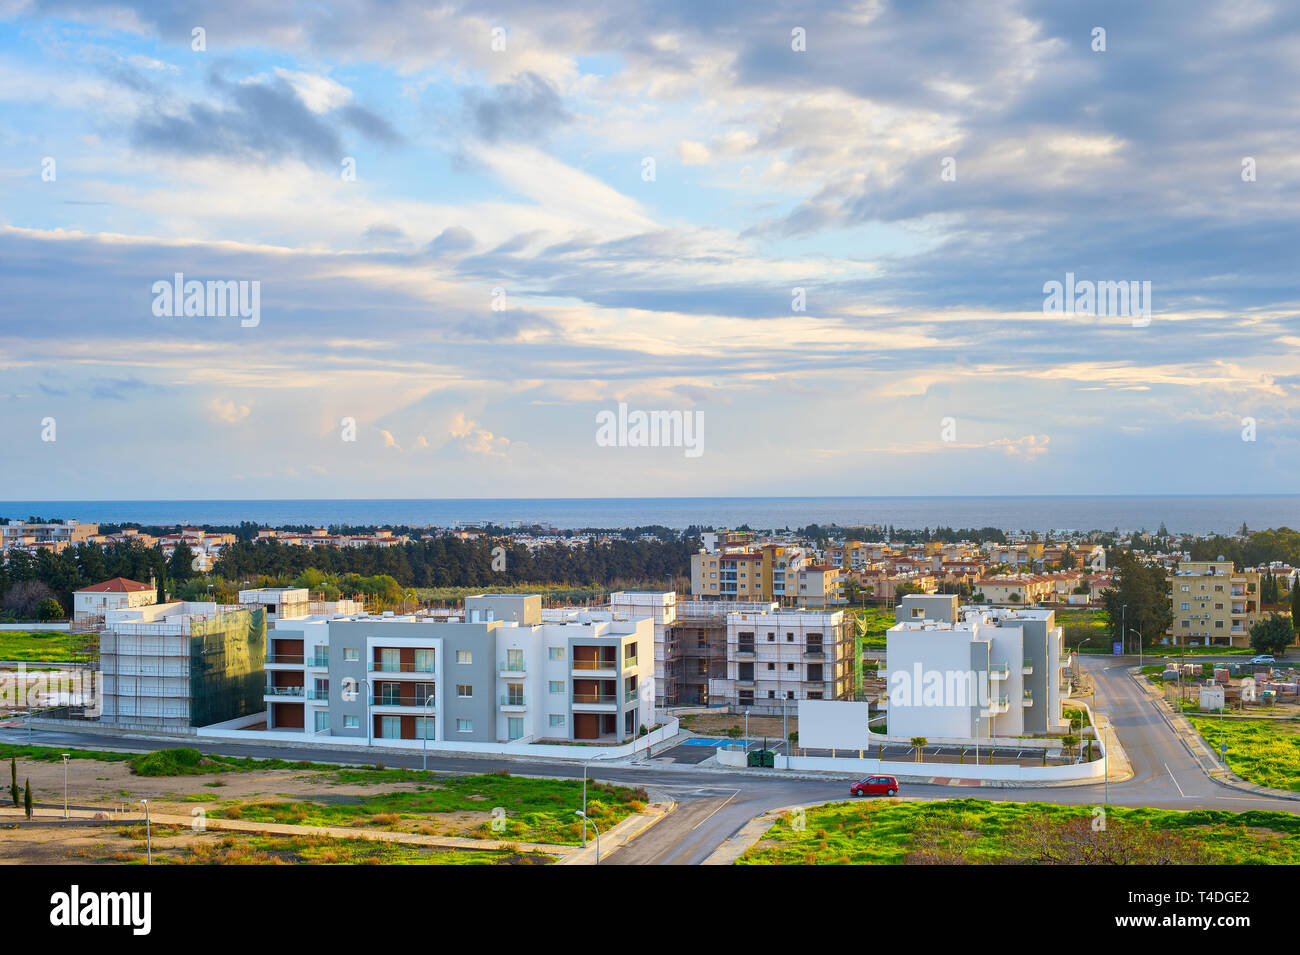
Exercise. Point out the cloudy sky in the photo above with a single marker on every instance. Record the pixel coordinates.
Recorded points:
(471, 251)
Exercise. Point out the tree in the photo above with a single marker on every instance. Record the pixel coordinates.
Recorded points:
(1273, 634)
(27, 799)
(1295, 605)
(25, 597)
(919, 742)
(181, 566)
(49, 610)
(13, 780)
(1139, 600)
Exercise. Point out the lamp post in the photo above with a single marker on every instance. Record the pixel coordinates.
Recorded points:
(66, 757)
(148, 839)
(1139, 636)
(369, 724)
(585, 764)
(425, 734)
(747, 730)
(585, 820)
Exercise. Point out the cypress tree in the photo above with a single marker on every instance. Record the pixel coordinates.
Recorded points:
(27, 799)
(13, 780)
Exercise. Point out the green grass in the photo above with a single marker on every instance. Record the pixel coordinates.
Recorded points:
(179, 761)
(882, 833)
(1085, 623)
(536, 810)
(47, 754)
(34, 646)
(1261, 751)
(876, 620)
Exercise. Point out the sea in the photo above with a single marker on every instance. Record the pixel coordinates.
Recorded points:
(1202, 514)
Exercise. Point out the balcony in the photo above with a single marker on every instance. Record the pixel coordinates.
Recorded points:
(629, 663)
(815, 652)
(401, 701)
(999, 671)
(518, 667)
(1027, 698)
(745, 650)
(290, 659)
(602, 701)
(630, 696)
(285, 691)
(513, 702)
(1027, 668)
(999, 704)
(607, 666)
(320, 696)
(320, 659)
(401, 668)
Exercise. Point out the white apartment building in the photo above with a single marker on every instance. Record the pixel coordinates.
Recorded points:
(33, 537)
(93, 602)
(989, 672)
(500, 672)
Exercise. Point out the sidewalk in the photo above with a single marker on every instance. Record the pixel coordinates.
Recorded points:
(620, 835)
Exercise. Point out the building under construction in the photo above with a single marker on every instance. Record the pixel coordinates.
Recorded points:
(177, 666)
(695, 649)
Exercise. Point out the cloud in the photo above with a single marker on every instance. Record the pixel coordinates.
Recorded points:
(693, 154)
(477, 440)
(228, 412)
(526, 110)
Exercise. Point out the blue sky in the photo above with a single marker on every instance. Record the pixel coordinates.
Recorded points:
(522, 169)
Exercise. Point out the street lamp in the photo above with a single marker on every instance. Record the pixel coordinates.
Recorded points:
(425, 734)
(66, 757)
(746, 730)
(1139, 636)
(580, 813)
(148, 840)
(584, 793)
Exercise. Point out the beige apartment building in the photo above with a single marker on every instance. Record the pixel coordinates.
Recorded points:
(1214, 605)
(780, 573)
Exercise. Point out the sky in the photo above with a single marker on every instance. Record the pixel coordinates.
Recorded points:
(824, 230)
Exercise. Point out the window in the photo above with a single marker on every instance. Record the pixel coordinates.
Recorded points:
(322, 721)
(464, 726)
(557, 719)
(464, 690)
(464, 656)
(424, 661)
(390, 661)
(771, 694)
(352, 722)
(1185, 605)
(514, 728)
(515, 660)
(390, 727)
(351, 654)
(424, 727)
(555, 653)
(557, 686)
(771, 666)
(789, 667)
(771, 637)
(789, 638)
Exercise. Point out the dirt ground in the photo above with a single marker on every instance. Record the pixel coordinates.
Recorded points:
(717, 724)
(113, 786)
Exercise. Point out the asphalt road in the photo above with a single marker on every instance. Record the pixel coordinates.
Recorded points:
(714, 804)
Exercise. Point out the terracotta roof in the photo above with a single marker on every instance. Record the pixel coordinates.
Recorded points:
(118, 585)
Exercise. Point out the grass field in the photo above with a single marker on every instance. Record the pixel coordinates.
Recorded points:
(1261, 751)
(535, 810)
(975, 831)
(1085, 623)
(21, 646)
(877, 620)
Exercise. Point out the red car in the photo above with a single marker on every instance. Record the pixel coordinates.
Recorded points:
(875, 786)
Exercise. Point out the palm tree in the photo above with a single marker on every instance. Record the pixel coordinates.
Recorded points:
(1069, 741)
(918, 742)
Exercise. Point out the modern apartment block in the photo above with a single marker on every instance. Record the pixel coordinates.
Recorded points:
(176, 666)
(775, 655)
(693, 649)
(503, 671)
(776, 572)
(1214, 605)
(56, 536)
(985, 673)
(941, 608)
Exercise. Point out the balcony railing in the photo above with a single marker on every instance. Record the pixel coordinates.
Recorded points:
(629, 663)
(401, 701)
(284, 691)
(1027, 667)
(381, 667)
(999, 671)
(506, 666)
(602, 664)
(513, 701)
(284, 658)
(745, 650)
(813, 651)
(630, 696)
(595, 698)
(319, 660)
(318, 694)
